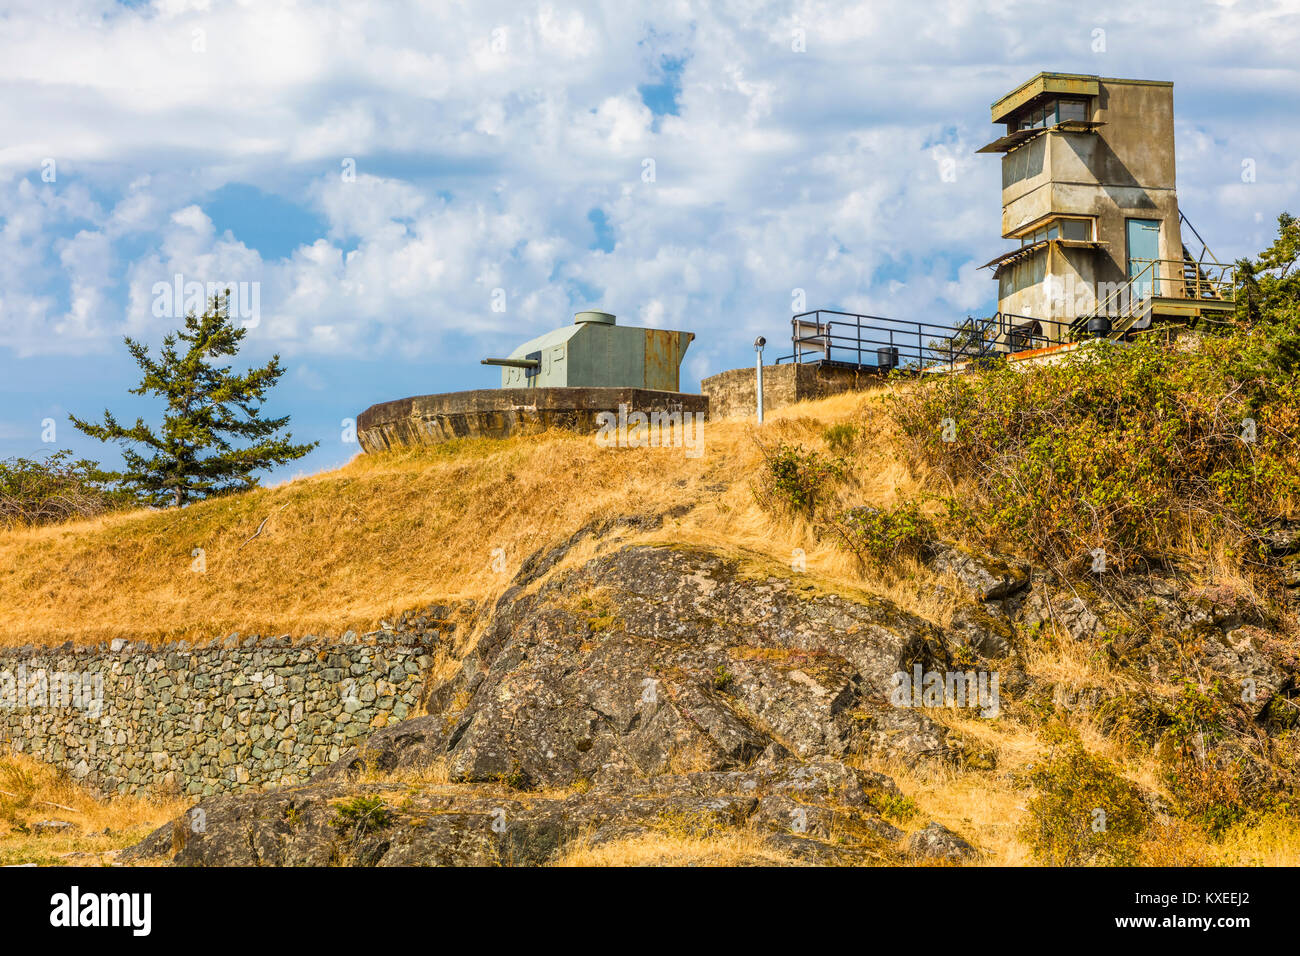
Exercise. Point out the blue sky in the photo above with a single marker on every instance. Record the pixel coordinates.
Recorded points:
(380, 169)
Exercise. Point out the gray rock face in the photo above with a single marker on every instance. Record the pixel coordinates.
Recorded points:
(44, 827)
(820, 812)
(986, 577)
(935, 842)
(651, 657)
(985, 628)
(663, 688)
(674, 690)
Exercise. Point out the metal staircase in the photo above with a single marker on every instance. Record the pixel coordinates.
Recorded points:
(1197, 280)
(1195, 288)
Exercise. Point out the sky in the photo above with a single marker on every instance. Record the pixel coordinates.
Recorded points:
(401, 189)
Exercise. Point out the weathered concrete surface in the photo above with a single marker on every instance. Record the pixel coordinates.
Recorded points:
(501, 412)
(731, 393)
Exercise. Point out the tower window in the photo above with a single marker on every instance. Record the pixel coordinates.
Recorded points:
(1053, 113)
(1060, 228)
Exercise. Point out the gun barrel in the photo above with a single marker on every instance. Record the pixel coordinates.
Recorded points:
(513, 363)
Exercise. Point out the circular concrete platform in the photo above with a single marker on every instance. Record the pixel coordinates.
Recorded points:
(501, 412)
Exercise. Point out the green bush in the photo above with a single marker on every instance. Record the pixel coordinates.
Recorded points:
(877, 536)
(56, 489)
(1206, 790)
(722, 678)
(900, 808)
(841, 437)
(361, 815)
(797, 478)
(1083, 811)
(1136, 449)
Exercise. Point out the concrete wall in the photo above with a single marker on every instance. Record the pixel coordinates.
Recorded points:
(499, 413)
(208, 718)
(1124, 170)
(732, 393)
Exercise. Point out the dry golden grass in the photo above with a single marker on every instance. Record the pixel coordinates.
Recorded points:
(728, 848)
(31, 792)
(1272, 841)
(348, 548)
(985, 807)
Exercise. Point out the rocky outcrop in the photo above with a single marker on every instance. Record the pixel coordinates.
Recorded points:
(683, 691)
(935, 842)
(651, 688)
(986, 577)
(650, 657)
(820, 812)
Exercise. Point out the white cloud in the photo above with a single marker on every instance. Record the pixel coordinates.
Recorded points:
(483, 133)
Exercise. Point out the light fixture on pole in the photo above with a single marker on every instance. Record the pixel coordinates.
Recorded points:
(758, 387)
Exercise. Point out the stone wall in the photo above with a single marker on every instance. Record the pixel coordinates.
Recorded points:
(211, 717)
(731, 393)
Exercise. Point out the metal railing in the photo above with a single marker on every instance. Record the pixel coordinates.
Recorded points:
(1205, 256)
(873, 342)
(1203, 280)
(877, 343)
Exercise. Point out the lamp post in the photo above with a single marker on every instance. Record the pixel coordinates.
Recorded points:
(758, 387)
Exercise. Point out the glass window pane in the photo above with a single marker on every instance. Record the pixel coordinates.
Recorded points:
(1076, 229)
(1053, 231)
(1074, 110)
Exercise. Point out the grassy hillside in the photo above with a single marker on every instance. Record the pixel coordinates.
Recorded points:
(1136, 456)
(348, 548)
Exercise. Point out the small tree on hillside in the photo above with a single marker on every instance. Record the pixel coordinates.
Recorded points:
(1268, 299)
(194, 455)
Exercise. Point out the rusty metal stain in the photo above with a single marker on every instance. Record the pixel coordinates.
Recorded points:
(662, 356)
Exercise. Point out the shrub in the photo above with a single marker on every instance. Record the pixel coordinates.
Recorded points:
(361, 815)
(798, 479)
(516, 779)
(900, 808)
(1205, 790)
(56, 489)
(841, 437)
(722, 678)
(876, 536)
(1136, 449)
(1083, 810)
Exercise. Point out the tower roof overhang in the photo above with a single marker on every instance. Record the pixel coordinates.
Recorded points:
(1045, 84)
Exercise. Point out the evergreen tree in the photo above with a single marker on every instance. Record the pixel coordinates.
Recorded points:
(194, 455)
(1268, 299)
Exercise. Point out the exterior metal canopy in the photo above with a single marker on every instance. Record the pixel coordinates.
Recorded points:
(1021, 136)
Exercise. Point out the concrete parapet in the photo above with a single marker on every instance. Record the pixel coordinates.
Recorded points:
(501, 412)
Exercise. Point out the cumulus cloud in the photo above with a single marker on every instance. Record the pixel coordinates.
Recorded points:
(454, 153)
